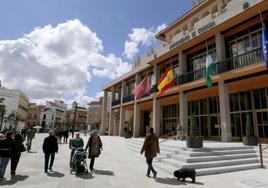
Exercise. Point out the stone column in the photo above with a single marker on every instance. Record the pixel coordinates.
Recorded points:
(122, 110)
(156, 116)
(226, 130)
(136, 120)
(182, 63)
(220, 47)
(111, 123)
(183, 110)
(104, 113)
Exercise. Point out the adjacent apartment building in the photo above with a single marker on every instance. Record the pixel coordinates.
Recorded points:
(54, 115)
(76, 117)
(34, 115)
(94, 112)
(229, 30)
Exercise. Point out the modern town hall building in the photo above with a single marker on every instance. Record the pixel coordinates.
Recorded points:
(231, 32)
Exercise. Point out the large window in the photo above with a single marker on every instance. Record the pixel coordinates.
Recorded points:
(197, 60)
(129, 88)
(244, 41)
(170, 118)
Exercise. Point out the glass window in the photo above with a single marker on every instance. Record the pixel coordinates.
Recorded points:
(254, 41)
(247, 44)
(240, 47)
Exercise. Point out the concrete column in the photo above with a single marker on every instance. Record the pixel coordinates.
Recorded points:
(156, 73)
(183, 110)
(104, 114)
(136, 120)
(156, 116)
(226, 130)
(111, 123)
(182, 63)
(113, 94)
(220, 47)
(122, 111)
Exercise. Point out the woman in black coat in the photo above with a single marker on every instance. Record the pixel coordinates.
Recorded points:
(18, 148)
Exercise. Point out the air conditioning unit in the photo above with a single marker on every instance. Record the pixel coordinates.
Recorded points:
(246, 5)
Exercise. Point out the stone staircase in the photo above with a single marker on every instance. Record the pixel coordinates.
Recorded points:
(214, 158)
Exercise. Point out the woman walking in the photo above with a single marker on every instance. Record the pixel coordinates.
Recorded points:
(94, 146)
(18, 148)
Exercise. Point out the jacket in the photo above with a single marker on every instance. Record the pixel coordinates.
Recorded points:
(151, 146)
(6, 147)
(50, 144)
(94, 145)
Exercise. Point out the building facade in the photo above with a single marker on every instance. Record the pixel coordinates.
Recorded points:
(228, 30)
(54, 115)
(76, 117)
(34, 115)
(94, 112)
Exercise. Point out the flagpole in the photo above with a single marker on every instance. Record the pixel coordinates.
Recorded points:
(261, 17)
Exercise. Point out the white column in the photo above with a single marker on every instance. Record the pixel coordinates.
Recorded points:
(136, 120)
(226, 130)
(220, 47)
(156, 116)
(183, 110)
(111, 122)
(104, 113)
(122, 110)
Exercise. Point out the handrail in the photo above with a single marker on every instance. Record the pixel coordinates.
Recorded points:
(261, 149)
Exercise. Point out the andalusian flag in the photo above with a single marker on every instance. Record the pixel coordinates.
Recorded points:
(265, 44)
(210, 67)
(167, 80)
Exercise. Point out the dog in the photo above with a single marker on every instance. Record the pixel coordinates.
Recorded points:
(185, 173)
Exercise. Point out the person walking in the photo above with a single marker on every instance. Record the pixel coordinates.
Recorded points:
(50, 147)
(15, 157)
(151, 148)
(74, 144)
(30, 137)
(65, 136)
(6, 148)
(94, 146)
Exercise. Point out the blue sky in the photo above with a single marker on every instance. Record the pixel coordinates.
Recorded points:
(112, 21)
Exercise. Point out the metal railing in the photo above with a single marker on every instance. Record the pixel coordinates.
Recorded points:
(128, 98)
(116, 102)
(229, 64)
(261, 149)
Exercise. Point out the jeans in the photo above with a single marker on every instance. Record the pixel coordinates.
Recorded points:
(3, 165)
(52, 156)
(29, 144)
(150, 166)
(14, 162)
(92, 163)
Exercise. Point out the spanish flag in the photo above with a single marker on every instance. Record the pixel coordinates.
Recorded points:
(167, 80)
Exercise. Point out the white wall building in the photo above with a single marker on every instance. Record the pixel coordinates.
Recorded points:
(54, 114)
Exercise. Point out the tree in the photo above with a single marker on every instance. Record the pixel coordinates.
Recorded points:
(194, 132)
(249, 127)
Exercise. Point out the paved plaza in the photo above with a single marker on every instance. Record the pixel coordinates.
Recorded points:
(117, 167)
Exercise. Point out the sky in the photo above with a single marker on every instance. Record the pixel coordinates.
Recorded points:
(70, 49)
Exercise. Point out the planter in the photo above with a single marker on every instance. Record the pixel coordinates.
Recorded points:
(194, 142)
(250, 140)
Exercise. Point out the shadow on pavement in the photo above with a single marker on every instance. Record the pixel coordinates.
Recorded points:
(169, 181)
(55, 174)
(84, 176)
(104, 172)
(15, 179)
(31, 151)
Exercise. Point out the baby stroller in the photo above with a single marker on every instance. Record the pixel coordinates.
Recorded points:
(78, 161)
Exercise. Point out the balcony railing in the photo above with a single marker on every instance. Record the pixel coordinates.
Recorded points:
(128, 98)
(116, 102)
(233, 63)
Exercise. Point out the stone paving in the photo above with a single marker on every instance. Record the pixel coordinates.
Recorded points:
(117, 167)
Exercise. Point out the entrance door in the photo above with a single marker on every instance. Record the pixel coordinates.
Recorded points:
(146, 122)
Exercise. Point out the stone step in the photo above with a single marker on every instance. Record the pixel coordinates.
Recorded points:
(216, 158)
(209, 171)
(162, 149)
(215, 153)
(210, 164)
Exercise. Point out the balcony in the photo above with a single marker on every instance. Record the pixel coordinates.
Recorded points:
(233, 63)
(128, 98)
(116, 102)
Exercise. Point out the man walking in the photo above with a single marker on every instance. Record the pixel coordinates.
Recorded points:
(50, 147)
(151, 148)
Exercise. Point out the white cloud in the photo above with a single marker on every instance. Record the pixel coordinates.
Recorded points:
(55, 62)
(140, 36)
